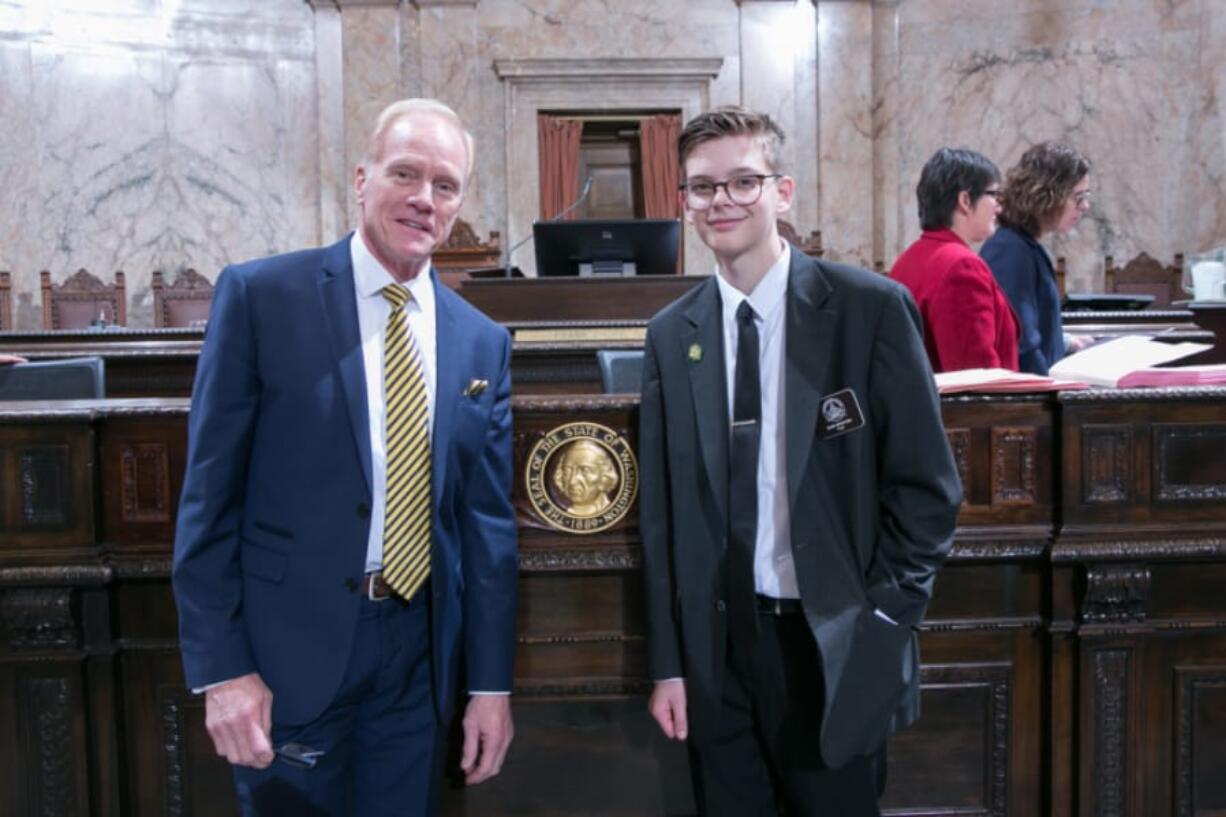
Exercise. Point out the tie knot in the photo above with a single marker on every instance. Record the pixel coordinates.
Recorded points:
(744, 312)
(397, 295)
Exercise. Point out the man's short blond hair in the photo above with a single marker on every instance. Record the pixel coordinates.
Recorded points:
(410, 107)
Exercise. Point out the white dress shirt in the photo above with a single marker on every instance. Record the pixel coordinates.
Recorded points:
(774, 570)
(369, 278)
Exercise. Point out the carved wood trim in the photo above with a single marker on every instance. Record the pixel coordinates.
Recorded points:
(50, 753)
(579, 559)
(1166, 435)
(1106, 463)
(1189, 681)
(960, 446)
(39, 618)
(586, 404)
(173, 751)
(1149, 547)
(1115, 594)
(558, 373)
(1111, 675)
(589, 688)
(1014, 451)
(144, 482)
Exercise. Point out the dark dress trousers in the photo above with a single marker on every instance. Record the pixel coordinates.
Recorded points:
(1024, 271)
(872, 504)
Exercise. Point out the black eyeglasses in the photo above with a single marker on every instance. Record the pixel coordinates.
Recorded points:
(993, 193)
(743, 190)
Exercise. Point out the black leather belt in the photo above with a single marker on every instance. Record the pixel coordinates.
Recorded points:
(779, 607)
(375, 589)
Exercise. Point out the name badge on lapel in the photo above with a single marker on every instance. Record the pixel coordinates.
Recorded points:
(839, 414)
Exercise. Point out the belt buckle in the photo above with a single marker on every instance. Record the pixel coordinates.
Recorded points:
(373, 579)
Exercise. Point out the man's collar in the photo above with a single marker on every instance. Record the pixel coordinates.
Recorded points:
(769, 292)
(371, 276)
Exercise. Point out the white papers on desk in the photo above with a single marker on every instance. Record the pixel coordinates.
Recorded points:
(999, 380)
(1129, 361)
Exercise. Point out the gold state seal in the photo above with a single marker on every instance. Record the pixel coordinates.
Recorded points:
(582, 477)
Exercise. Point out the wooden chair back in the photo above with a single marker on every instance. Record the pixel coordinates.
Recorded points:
(83, 300)
(186, 302)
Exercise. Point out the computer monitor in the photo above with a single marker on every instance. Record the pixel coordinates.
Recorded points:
(643, 246)
(1105, 302)
(78, 378)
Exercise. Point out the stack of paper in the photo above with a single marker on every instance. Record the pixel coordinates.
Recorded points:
(1000, 380)
(1132, 361)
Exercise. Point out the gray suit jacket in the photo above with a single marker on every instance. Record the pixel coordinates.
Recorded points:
(873, 506)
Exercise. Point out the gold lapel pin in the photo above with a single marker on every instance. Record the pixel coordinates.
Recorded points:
(475, 387)
(695, 353)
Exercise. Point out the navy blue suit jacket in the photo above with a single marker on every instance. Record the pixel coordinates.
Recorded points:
(273, 524)
(1024, 271)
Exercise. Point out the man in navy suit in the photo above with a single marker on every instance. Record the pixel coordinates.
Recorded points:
(287, 621)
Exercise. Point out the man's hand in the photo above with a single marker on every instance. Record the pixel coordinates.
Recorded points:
(11, 359)
(238, 715)
(487, 734)
(667, 706)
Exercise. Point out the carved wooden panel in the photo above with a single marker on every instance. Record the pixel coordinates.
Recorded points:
(1106, 457)
(145, 482)
(39, 618)
(1115, 593)
(963, 737)
(42, 473)
(1200, 787)
(1111, 669)
(51, 750)
(960, 445)
(1189, 462)
(48, 486)
(1014, 451)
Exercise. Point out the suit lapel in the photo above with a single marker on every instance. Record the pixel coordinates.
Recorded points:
(704, 338)
(340, 309)
(446, 383)
(810, 330)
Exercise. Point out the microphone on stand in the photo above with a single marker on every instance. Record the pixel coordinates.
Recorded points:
(587, 188)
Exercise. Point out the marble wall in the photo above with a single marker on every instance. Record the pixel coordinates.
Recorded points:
(153, 134)
(1134, 84)
(161, 134)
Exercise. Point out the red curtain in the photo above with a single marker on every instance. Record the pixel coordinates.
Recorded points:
(661, 175)
(558, 148)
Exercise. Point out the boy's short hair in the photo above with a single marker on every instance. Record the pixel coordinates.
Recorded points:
(733, 120)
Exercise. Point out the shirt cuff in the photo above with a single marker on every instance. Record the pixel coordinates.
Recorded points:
(207, 687)
(488, 692)
(879, 614)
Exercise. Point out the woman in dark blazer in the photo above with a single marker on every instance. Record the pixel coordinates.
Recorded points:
(967, 320)
(1048, 191)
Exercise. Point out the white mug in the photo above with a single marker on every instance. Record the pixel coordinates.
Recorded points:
(1208, 280)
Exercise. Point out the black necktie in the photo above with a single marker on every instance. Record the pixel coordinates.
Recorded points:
(743, 480)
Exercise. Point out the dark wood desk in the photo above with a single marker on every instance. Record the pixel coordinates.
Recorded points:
(1074, 653)
(576, 299)
(555, 357)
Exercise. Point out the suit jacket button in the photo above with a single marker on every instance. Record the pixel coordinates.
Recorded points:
(351, 585)
(720, 606)
(363, 510)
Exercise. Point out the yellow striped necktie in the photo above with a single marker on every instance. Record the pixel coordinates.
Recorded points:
(407, 514)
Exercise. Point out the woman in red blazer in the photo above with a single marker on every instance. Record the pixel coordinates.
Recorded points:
(968, 323)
